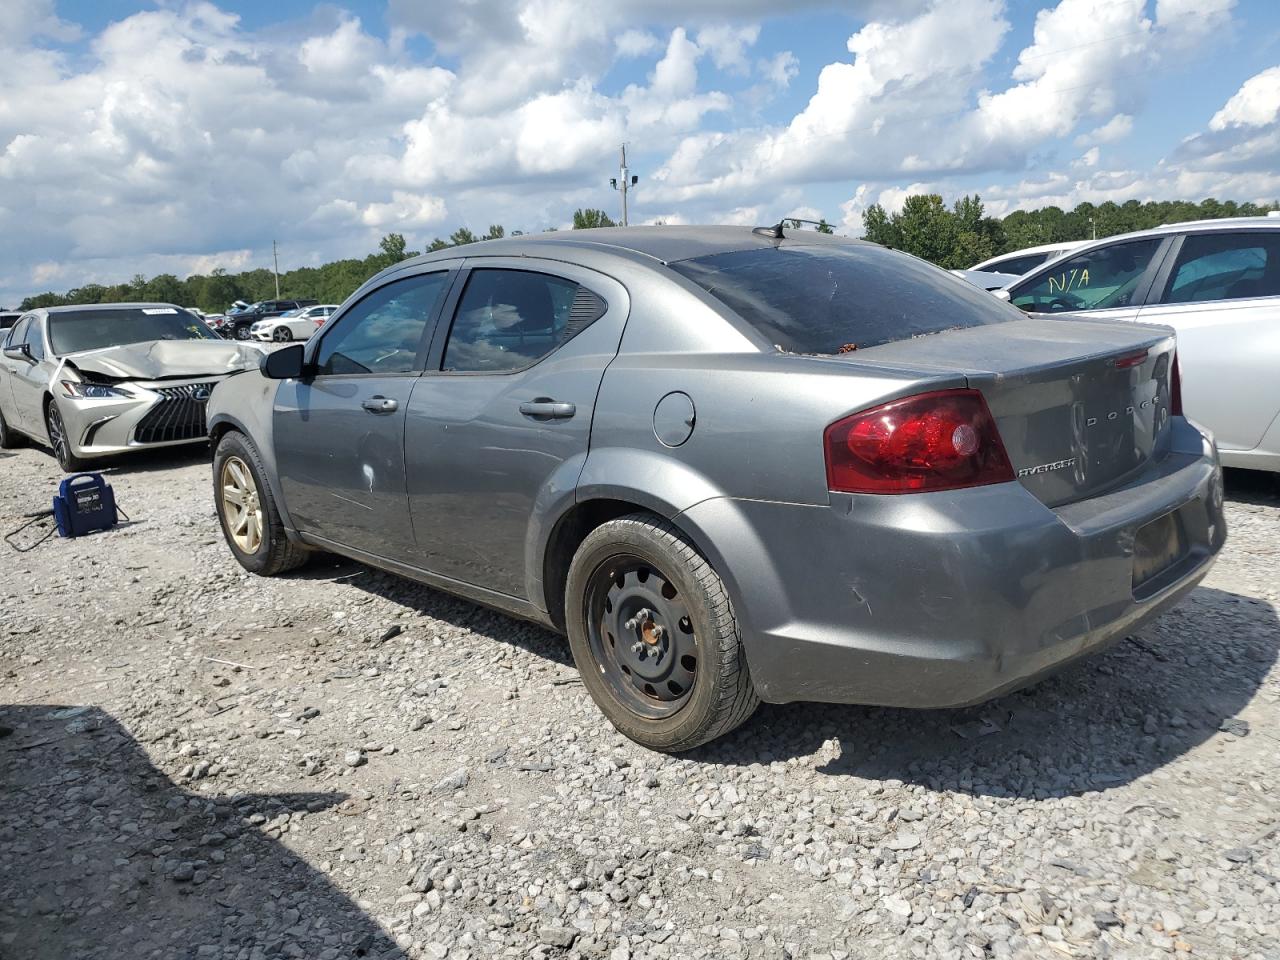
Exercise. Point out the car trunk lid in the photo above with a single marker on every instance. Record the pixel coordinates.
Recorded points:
(1080, 404)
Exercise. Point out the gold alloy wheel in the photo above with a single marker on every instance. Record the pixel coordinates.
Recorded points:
(240, 507)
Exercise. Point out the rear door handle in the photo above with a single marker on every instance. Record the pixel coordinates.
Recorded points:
(380, 405)
(546, 409)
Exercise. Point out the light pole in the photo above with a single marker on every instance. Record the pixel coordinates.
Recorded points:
(624, 181)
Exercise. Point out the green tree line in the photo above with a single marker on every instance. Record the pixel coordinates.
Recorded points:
(331, 283)
(959, 236)
(953, 237)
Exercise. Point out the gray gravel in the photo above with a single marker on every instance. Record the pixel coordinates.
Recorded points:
(343, 764)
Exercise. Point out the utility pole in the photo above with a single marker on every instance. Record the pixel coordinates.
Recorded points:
(624, 181)
(275, 259)
(1094, 227)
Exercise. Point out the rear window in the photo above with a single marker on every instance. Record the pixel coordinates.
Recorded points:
(834, 299)
(94, 329)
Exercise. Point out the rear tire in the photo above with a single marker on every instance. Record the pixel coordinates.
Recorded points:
(59, 440)
(641, 568)
(247, 511)
(9, 438)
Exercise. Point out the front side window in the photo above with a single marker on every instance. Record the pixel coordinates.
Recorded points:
(1234, 266)
(14, 336)
(383, 332)
(33, 339)
(1098, 280)
(510, 319)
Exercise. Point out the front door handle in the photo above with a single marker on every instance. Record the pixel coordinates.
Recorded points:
(380, 405)
(545, 408)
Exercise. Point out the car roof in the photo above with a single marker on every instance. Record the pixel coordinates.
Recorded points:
(666, 244)
(1042, 248)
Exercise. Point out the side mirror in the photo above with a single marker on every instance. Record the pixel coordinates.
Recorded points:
(283, 364)
(19, 352)
(1002, 295)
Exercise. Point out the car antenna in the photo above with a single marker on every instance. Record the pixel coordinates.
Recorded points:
(773, 233)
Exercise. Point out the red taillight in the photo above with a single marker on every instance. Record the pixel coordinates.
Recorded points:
(320, 322)
(1175, 389)
(933, 441)
(1131, 360)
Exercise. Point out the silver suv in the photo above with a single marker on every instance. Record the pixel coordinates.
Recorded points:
(1217, 283)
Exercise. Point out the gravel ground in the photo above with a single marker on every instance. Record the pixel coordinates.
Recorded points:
(338, 763)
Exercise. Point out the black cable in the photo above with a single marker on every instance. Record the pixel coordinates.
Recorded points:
(35, 518)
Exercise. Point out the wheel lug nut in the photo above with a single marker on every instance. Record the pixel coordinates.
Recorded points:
(637, 648)
(632, 623)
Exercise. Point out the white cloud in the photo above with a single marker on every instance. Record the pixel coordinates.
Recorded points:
(1255, 104)
(1117, 128)
(1088, 159)
(636, 43)
(404, 211)
(728, 45)
(780, 69)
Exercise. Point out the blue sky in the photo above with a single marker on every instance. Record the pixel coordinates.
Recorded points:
(146, 137)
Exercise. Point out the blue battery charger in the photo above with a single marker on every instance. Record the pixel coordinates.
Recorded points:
(84, 503)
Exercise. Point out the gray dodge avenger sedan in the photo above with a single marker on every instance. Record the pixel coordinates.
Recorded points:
(733, 466)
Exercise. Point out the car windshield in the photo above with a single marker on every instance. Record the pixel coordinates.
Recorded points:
(94, 329)
(835, 299)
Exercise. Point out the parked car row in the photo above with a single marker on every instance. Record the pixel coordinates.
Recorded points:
(732, 465)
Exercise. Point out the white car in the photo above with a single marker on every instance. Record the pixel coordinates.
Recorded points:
(297, 324)
(1217, 283)
(1018, 262)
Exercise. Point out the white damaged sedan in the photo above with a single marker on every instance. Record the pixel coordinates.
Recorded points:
(102, 379)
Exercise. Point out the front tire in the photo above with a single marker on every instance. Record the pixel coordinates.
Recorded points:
(60, 441)
(654, 636)
(281, 334)
(247, 511)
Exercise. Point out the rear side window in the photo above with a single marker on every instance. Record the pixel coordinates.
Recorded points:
(1098, 280)
(1231, 266)
(833, 299)
(510, 319)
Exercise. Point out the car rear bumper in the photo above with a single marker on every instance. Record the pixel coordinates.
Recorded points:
(946, 599)
(159, 414)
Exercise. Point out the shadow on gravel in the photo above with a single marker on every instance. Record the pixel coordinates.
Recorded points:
(102, 856)
(153, 461)
(429, 602)
(1103, 722)
(1252, 486)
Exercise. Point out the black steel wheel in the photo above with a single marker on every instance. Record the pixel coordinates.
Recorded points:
(641, 633)
(281, 334)
(60, 441)
(654, 636)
